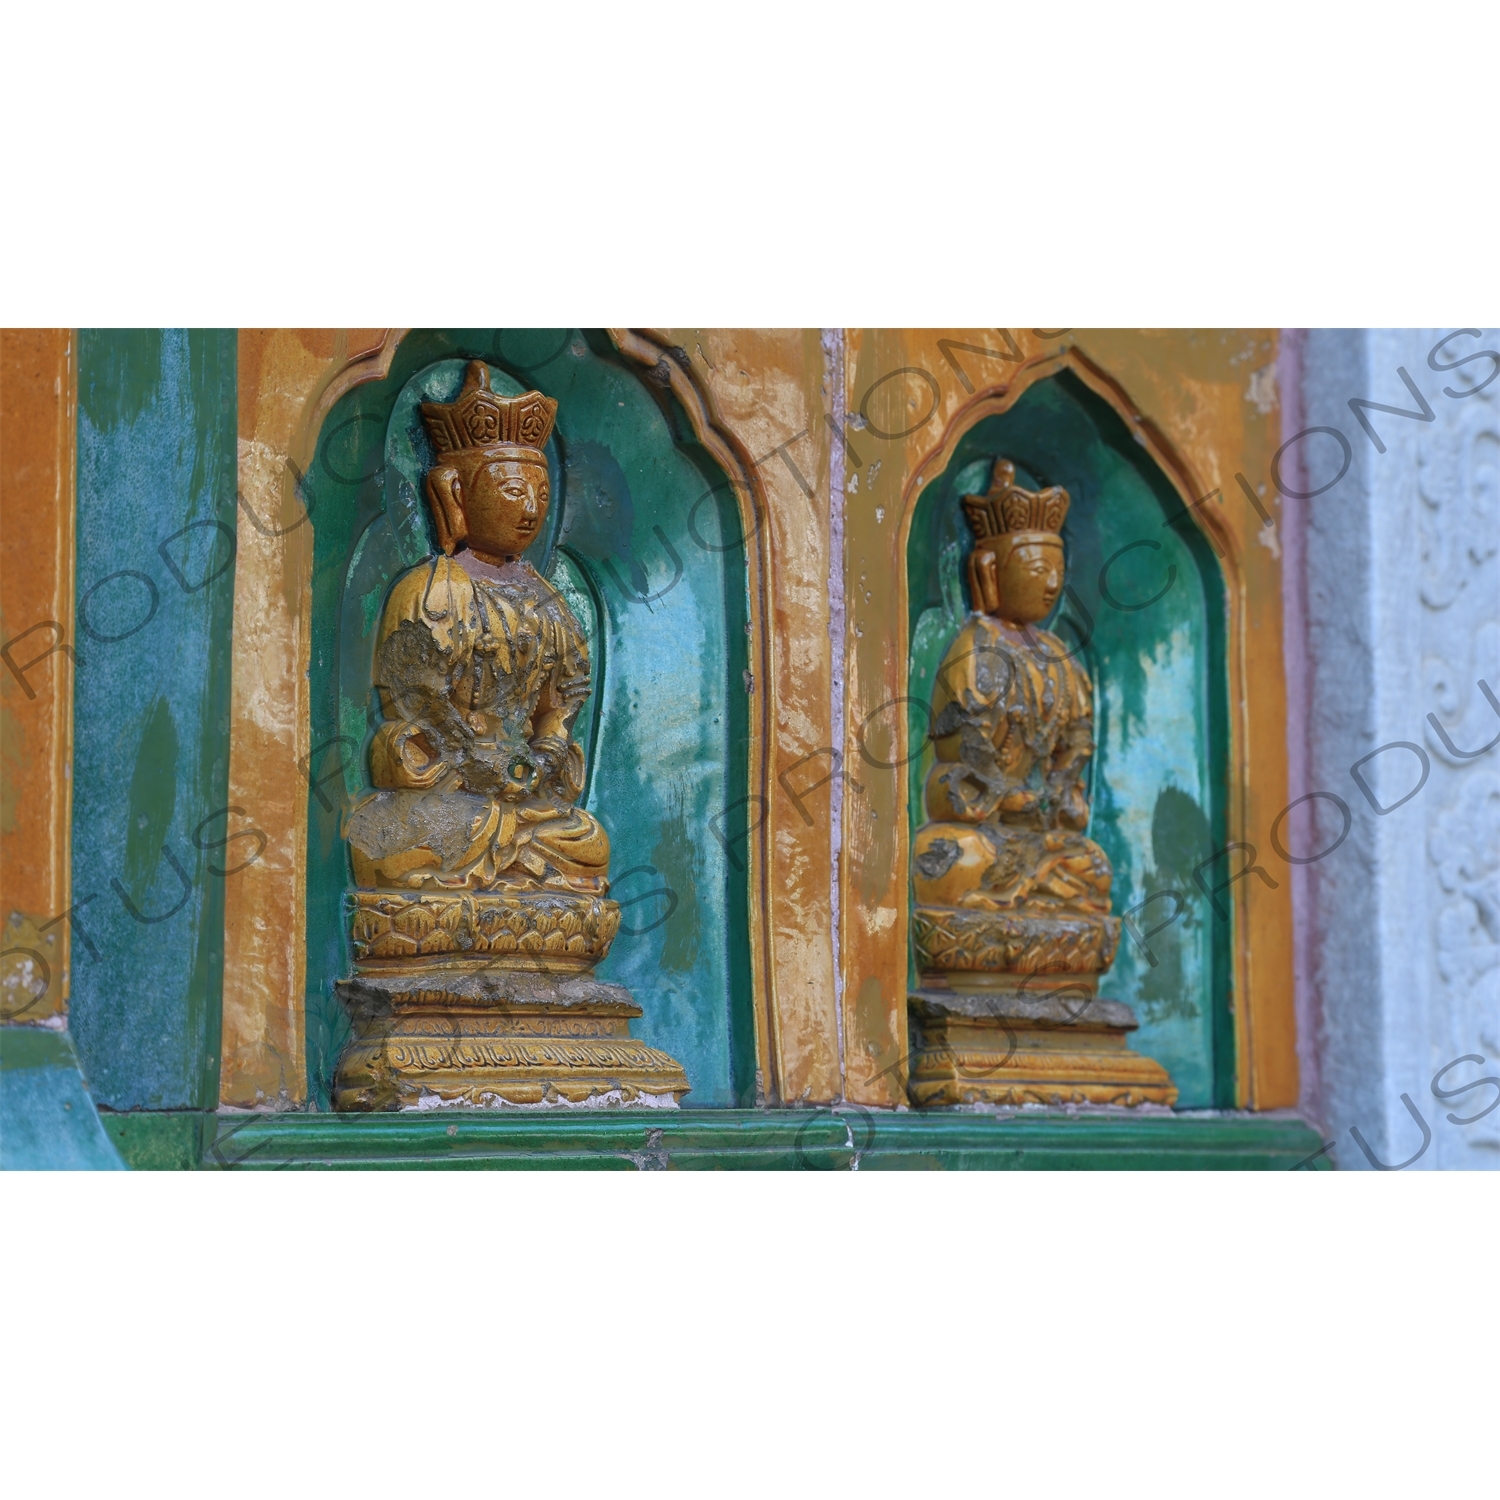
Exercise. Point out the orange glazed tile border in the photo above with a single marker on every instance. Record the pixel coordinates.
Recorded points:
(287, 379)
(769, 389)
(38, 454)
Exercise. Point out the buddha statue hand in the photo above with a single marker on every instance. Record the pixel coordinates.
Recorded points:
(559, 763)
(508, 771)
(1035, 871)
(1063, 801)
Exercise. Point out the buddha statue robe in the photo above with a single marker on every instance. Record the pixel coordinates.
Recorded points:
(1013, 732)
(482, 670)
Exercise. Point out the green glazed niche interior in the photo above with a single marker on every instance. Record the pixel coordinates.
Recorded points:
(1158, 780)
(643, 539)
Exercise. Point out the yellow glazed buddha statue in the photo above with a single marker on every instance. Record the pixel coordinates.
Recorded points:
(1011, 919)
(482, 902)
(482, 670)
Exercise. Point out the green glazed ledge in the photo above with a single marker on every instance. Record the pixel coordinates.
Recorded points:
(47, 1119)
(779, 1140)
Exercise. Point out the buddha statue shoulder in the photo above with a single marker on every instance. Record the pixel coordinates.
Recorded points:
(481, 670)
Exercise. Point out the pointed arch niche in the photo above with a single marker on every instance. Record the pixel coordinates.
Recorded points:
(1184, 683)
(644, 539)
(654, 536)
(1152, 641)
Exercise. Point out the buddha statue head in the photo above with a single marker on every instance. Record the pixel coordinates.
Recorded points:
(1016, 568)
(489, 489)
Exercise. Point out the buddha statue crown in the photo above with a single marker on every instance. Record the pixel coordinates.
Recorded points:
(1007, 509)
(480, 420)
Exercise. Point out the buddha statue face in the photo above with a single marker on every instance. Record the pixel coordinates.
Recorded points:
(1020, 584)
(1031, 578)
(497, 503)
(505, 505)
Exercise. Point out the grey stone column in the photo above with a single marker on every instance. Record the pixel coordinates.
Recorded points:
(1395, 577)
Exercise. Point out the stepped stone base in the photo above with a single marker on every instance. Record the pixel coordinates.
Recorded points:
(493, 1037)
(1011, 1045)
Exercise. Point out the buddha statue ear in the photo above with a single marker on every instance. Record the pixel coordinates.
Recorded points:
(445, 497)
(984, 581)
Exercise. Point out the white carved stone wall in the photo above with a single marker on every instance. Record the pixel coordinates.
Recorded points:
(1399, 928)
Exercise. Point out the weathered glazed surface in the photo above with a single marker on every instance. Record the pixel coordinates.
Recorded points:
(1006, 1047)
(1011, 724)
(770, 391)
(155, 569)
(480, 670)
(47, 1119)
(792, 1139)
(287, 378)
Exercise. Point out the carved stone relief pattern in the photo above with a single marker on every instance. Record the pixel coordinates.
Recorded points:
(1454, 604)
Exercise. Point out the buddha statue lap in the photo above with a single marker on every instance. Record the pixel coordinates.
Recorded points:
(1011, 922)
(481, 904)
